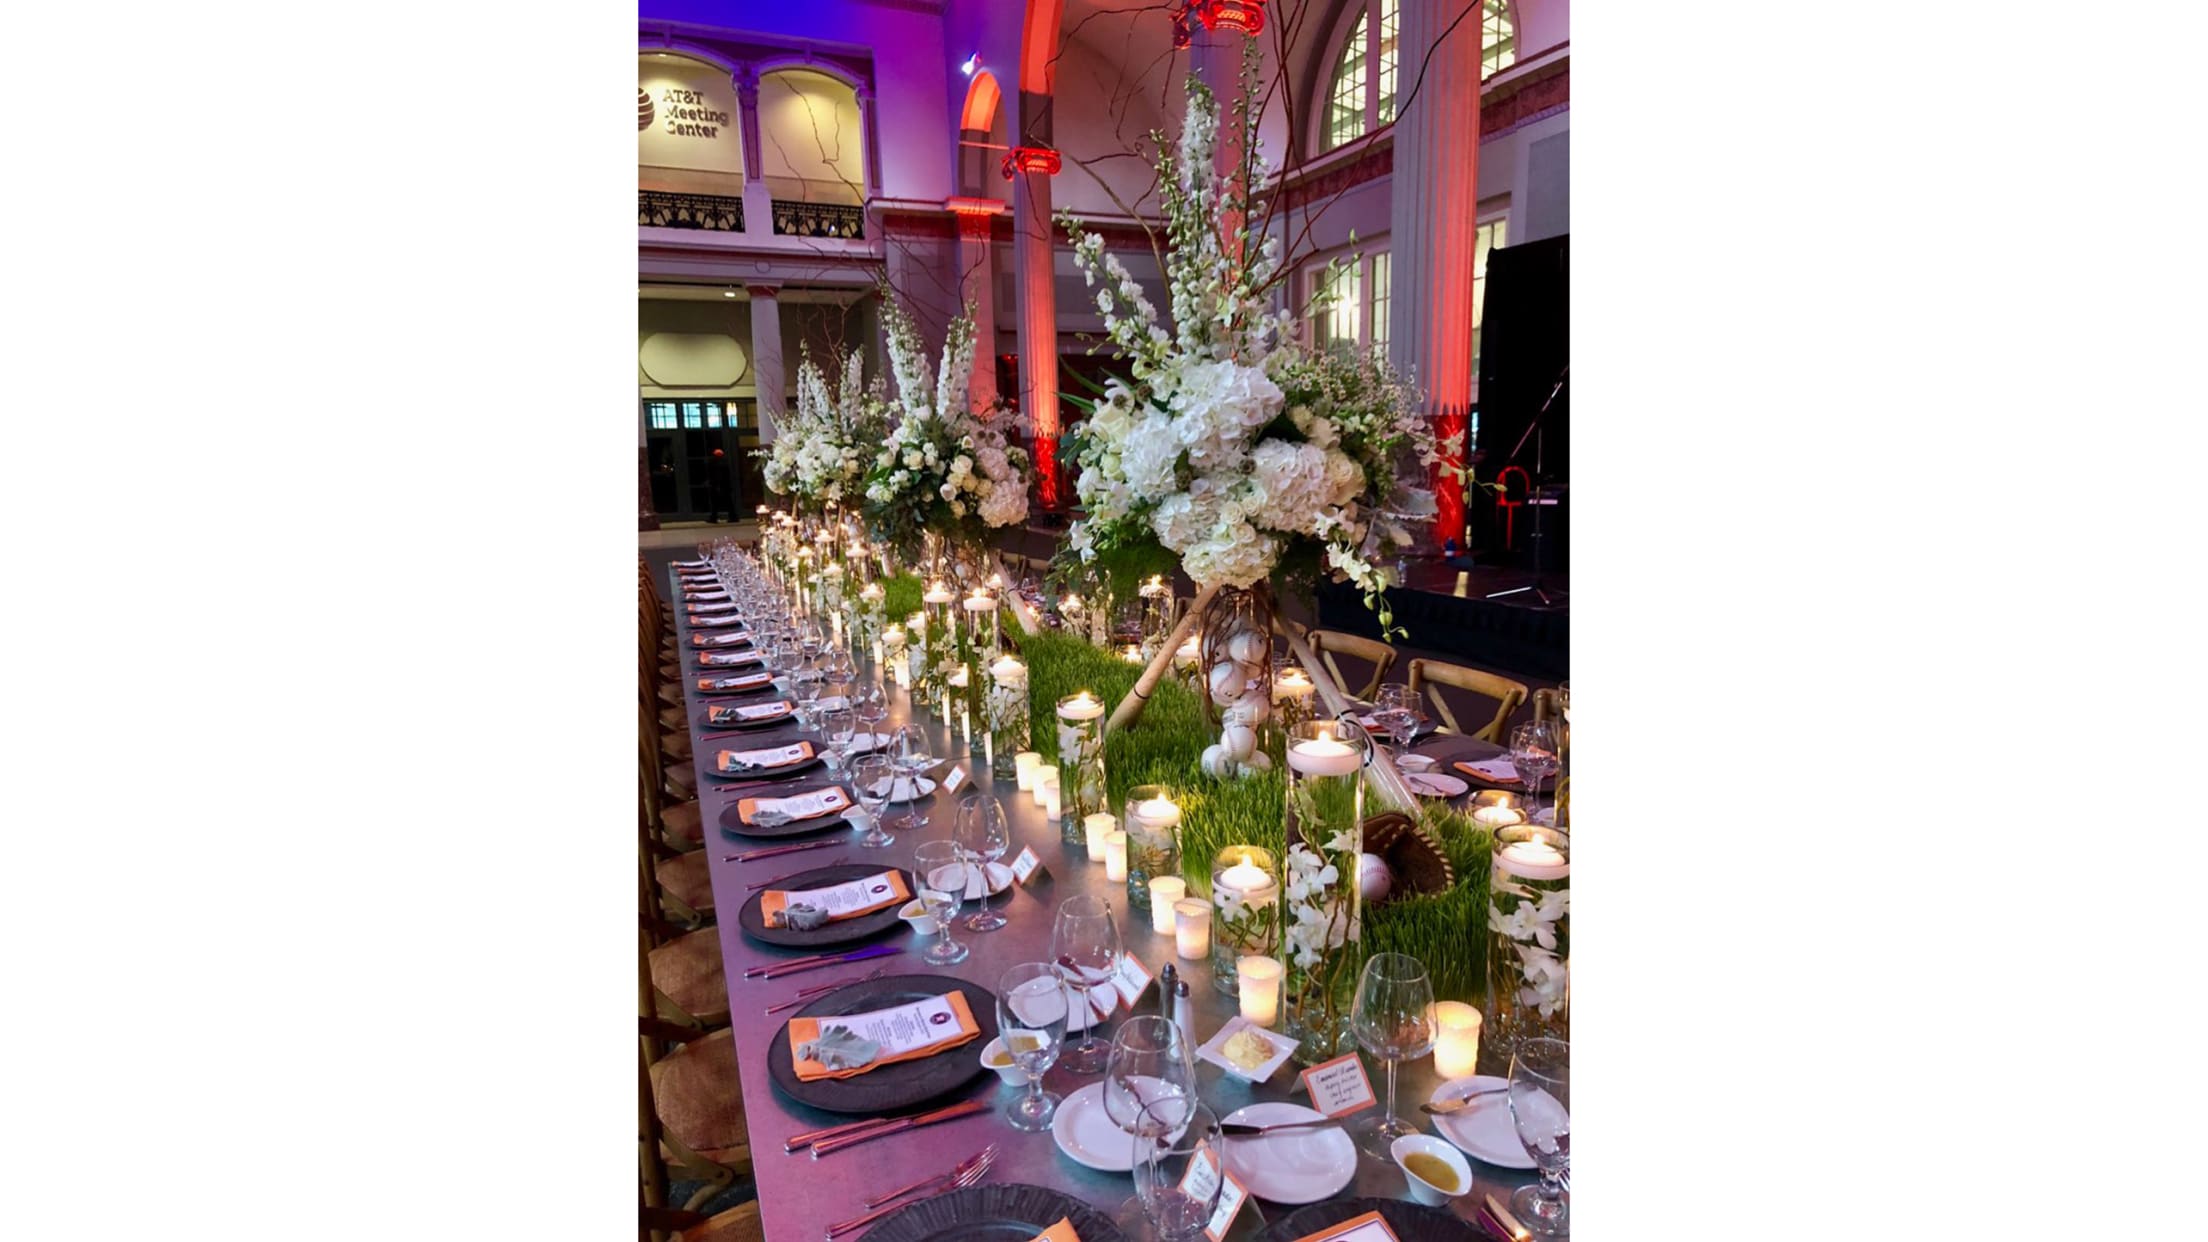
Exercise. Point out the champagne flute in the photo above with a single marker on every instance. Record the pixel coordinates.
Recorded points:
(1178, 1193)
(985, 834)
(943, 874)
(910, 751)
(1533, 748)
(1084, 943)
(1540, 1097)
(1031, 1019)
(1393, 1019)
(871, 777)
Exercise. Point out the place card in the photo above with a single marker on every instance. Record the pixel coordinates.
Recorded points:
(1130, 977)
(1028, 869)
(954, 780)
(1367, 1228)
(1205, 1172)
(1339, 1087)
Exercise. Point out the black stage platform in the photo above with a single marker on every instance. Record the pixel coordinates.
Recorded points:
(1446, 609)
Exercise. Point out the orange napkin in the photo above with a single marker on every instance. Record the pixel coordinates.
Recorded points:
(1485, 779)
(1060, 1232)
(720, 761)
(1347, 1226)
(775, 900)
(745, 806)
(805, 1030)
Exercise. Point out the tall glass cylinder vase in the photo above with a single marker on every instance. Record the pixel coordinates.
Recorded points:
(1245, 910)
(1007, 710)
(915, 678)
(1529, 946)
(1080, 763)
(1153, 827)
(942, 648)
(1320, 907)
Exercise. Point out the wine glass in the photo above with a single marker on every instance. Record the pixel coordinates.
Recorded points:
(985, 834)
(1540, 1097)
(1396, 711)
(1149, 1089)
(1031, 1019)
(1533, 748)
(1393, 1019)
(1084, 943)
(872, 705)
(943, 874)
(806, 681)
(839, 727)
(912, 754)
(871, 777)
(1177, 1193)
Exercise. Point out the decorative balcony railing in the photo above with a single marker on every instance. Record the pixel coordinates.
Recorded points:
(713, 212)
(793, 219)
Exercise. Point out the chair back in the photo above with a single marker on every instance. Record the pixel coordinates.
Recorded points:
(1328, 642)
(1428, 675)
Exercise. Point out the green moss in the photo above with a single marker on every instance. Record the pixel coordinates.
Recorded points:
(1447, 931)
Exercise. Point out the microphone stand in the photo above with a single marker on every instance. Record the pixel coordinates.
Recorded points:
(1537, 496)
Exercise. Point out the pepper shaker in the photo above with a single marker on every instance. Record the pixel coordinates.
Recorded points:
(1184, 1012)
(1167, 978)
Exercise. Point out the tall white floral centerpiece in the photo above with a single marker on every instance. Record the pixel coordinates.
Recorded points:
(824, 448)
(945, 469)
(1230, 448)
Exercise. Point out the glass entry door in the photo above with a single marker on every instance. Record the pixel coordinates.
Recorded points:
(688, 484)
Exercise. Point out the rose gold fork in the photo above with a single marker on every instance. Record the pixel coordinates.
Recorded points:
(960, 1182)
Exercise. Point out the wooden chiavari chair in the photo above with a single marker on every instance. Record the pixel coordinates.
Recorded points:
(1429, 675)
(1327, 643)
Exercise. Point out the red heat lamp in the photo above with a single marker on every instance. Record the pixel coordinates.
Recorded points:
(1247, 16)
(1031, 159)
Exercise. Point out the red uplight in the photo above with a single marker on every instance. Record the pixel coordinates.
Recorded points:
(1247, 16)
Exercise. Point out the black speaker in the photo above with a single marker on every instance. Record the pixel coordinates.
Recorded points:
(1525, 352)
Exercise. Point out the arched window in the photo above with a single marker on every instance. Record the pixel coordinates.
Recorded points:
(1360, 96)
(810, 146)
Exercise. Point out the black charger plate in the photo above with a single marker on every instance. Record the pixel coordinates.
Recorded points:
(1008, 1213)
(906, 1083)
(772, 776)
(734, 825)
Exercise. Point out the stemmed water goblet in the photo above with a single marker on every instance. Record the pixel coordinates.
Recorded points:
(839, 728)
(872, 707)
(985, 835)
(943, 874)
(871, 778)
(1393, 1020)
(1177, 1196)
(1540, 1108)
(1533, 752)
(1031, 1019)
(912, 754)
(1397, 712)
(1084, 943)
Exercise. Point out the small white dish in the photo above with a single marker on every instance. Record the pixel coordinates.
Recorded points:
(1423, 1191)
(1214, 1050)
(902, 789)
(1483, 1130)
(996, 1058)
(1435, 784)
(917, 915)
(1416, 763)
(1294, 1166)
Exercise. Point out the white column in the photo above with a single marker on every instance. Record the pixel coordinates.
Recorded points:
(766, 356)
(1433, 220)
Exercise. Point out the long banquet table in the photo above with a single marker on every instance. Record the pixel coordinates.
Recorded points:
(800, 1196)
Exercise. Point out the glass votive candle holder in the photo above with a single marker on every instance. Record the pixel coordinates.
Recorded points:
(1044, 780)
(1115, 855)
(1094, 829)
(1260, 983)
(1164, 891)
(1496, 808)
(1025, 766)
(1052, 809)
(1192, 929)
(1456, 1039)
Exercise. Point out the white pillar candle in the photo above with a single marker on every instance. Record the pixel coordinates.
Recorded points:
(1097, 827)
(1164, 891)
(1259, 978)
(1456, 1039)
(1026, 766)
(1192, 929)
(1115, 855)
